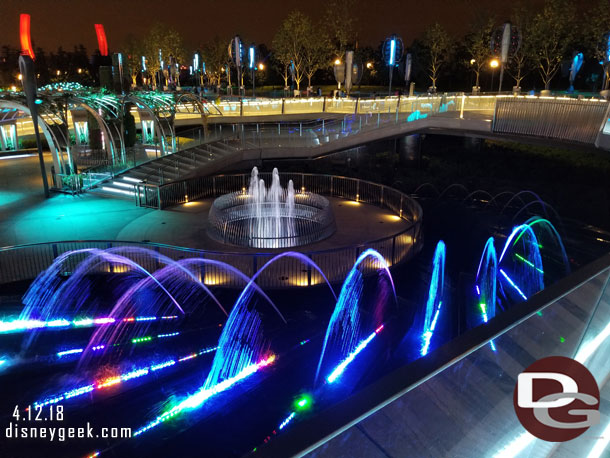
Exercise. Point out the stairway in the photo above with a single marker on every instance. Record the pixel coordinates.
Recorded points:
(166, 169)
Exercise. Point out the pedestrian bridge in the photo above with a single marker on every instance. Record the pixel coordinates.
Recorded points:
(259, 129)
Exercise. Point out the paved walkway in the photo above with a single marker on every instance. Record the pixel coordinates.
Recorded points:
(27, 217)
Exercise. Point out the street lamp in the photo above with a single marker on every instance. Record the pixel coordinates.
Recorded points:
(494, 63)
(252, 66)
(392, 53)
(369, 65)
(261, 66)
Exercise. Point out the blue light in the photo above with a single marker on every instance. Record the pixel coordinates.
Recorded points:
(146, 318)
(251, 57)
(335, 374)
(392, 51)
(70, 352)
(287, 420)
(513, 284)
(427, 336)
(143, 64)
(156, 367)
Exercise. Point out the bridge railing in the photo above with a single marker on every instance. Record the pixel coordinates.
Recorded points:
(557, 118)
(26, 261)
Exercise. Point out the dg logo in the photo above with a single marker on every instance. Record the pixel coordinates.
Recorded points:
(556, 399)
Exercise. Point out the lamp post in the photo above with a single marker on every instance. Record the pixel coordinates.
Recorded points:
(26, 69)
(392, 53)
(505, 42)
(493, 64)
(252, 66)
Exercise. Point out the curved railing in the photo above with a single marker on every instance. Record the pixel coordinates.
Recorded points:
(236, 220)
(24, 262)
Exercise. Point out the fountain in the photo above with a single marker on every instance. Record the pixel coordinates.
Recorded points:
(347, 327)
(271, 217)
(435, 296)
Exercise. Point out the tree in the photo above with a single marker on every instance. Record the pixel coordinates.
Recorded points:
(214, 54)
(168, 40)
(552, 35)
(316, 54)
(437, 44)
(290, 43)
(519, 64)
(478, 45)
(596, 38)
(341, 26)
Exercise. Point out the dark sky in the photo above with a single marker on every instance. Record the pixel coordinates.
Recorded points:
(70, 22)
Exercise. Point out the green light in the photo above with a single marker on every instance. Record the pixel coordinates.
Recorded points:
(539, 313)
(303, 402)
(141, 339)
(562, 340)
(521, 258)
(483, 307)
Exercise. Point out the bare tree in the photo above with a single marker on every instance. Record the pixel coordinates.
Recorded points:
(438, 47)
(478, 45)
(214, 54)
(520, 63)
(317, 52)
(552, 36)
(290, 44)
(341, 26)
(596, 38)
(164, 38)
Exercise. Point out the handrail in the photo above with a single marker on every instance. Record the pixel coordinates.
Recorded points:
(22, 262)
(312, 432)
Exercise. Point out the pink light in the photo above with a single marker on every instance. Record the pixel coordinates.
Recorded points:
(103, 320)
(379, 329)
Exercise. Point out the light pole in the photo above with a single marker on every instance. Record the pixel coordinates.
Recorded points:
(493, 64)
(252, 66)
(392, 53)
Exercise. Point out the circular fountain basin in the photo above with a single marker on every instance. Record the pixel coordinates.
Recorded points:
(238, 220)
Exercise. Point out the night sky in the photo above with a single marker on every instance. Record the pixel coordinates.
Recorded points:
(70, 22)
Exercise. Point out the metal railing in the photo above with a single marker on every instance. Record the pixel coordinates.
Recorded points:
(235, 219)
(24, 262)
(560, 119)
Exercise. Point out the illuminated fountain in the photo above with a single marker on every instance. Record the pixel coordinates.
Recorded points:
(435, 296)
(273, 217)
(520, 266)
(486, 282)
(348, 332)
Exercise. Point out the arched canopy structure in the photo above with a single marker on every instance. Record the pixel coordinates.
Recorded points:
(55, 106)
(52, 128)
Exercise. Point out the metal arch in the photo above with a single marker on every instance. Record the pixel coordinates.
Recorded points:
(85, 102)
(203, 111)
(49, 136)
(153, 110)
(203, 108)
